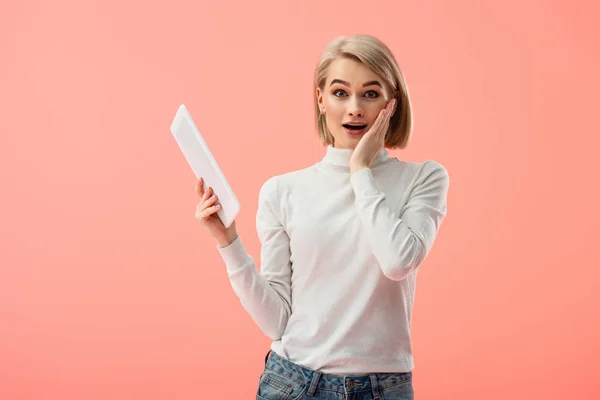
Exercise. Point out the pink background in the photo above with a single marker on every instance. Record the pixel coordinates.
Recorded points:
(109, 288)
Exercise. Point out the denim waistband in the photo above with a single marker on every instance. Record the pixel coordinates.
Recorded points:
(344, 384)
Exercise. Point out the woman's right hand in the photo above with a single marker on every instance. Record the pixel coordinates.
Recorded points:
(206, 213)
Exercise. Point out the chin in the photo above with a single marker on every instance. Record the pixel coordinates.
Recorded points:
(348, 142)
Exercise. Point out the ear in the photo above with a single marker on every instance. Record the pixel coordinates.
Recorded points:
(320, 100)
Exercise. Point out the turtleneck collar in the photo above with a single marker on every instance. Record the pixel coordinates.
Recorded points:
(341, 157)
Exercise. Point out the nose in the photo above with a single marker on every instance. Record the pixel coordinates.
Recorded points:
(355, 107)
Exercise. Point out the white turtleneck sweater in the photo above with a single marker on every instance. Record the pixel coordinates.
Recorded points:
(339, 259)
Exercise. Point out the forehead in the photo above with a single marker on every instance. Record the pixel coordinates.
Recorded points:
(351, 71)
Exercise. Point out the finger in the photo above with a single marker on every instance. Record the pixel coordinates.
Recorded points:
(375, 128)
(389, 113)
(201, 209)
(381, 132)
(209, 202)
(382, 119)
(378, 121)
(206, 194)
(390, 107)
(203, 205)
(200, 187)
(210, 211)
(384, 126)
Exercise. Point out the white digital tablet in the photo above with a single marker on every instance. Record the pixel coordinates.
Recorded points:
(203, 164)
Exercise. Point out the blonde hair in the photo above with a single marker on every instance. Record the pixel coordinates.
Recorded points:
(377, 56)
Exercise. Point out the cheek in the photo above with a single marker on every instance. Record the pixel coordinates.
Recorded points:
(374, 113)
(334, 108)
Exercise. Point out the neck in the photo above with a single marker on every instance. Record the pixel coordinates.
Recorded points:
(341, 157)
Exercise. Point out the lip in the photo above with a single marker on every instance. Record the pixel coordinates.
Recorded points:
(354, 132)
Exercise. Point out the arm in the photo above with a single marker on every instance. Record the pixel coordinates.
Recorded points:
(266, 296)
(401, 242)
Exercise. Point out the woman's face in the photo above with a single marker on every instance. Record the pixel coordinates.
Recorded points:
(353, 94)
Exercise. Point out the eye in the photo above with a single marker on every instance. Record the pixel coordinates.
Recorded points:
(371, 94)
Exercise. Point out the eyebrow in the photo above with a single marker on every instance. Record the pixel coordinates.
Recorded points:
(347, 84)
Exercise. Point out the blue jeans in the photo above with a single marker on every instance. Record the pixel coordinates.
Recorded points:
(284, 380)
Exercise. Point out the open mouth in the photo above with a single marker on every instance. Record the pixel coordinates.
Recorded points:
(354, 127)
(355, 130)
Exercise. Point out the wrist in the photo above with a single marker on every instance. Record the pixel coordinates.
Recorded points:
(225, 241)
(357, 167)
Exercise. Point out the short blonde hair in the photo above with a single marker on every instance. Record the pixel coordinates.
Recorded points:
(377, 56)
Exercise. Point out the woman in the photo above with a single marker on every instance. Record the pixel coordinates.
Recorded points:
(341, 240)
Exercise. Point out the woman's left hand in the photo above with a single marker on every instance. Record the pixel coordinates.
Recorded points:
(373, 141)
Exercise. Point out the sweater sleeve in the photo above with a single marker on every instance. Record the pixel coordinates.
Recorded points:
(266, 296)
(400, 243)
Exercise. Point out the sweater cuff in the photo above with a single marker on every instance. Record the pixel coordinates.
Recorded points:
(363, 182)
(235, 255)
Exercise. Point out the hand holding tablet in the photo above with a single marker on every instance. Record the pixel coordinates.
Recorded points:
(217, 197)
(206, 213)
